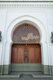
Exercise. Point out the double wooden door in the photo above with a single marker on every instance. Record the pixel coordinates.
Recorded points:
(30, 53)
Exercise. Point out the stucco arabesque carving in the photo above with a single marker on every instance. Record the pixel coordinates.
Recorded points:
(29, 36)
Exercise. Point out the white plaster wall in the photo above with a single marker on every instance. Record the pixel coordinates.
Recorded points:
(50, 45)
(43, 15)
(2, 29)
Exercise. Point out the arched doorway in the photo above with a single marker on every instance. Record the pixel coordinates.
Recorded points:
(26, 48)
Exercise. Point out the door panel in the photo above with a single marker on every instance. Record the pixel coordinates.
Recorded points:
(31, 54)
(20, 54)
(37, 54)
(14, 55)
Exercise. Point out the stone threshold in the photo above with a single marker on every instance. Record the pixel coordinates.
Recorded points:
(19, 75)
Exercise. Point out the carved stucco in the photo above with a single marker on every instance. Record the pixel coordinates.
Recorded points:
(21, 4)
(26, 32)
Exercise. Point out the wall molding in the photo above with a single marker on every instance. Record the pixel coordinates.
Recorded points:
(27, 0)
(26, 5)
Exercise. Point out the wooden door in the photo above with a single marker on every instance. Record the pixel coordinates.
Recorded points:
(26, 54)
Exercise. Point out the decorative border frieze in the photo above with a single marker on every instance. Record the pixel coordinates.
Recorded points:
(27, 0)
(26, 5)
